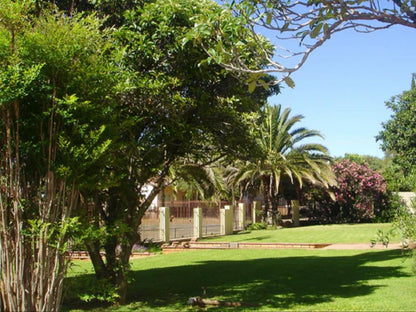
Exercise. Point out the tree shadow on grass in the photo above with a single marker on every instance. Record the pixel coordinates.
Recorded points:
(281, 282)
(259, 238)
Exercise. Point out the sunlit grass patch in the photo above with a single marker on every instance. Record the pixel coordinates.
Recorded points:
(333, 233)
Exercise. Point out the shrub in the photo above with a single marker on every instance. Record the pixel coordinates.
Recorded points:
(256, 226)
(359, 192)
(360, 196)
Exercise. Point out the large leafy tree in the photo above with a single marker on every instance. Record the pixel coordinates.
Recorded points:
(283, 155)
(111, 124)
(180, 108)
(56, 85)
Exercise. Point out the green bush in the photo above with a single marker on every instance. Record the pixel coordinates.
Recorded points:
(256, 226)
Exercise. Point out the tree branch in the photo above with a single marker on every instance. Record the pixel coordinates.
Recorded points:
(305, 26)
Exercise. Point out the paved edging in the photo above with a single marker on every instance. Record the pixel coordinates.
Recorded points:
(369, 246)
(248, 245)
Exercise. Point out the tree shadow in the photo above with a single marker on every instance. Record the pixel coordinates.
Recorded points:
(281, 282)
(259, 238)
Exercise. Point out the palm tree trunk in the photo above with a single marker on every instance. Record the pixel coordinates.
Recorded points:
(266, 201)
(276, 218)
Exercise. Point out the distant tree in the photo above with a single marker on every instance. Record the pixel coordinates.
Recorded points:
(398, 133)
(375, 163)
(397, 180)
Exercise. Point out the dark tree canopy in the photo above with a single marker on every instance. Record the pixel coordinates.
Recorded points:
(92, 115)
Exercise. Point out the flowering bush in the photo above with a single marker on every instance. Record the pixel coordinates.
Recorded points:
(360, 191)
(359, 196)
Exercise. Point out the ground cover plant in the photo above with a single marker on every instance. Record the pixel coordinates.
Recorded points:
(269, 280)
(333, 233)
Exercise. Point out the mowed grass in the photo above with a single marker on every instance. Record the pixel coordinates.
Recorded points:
(269, 280)
(334, 233)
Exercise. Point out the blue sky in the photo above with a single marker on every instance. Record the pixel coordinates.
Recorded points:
(342, 88)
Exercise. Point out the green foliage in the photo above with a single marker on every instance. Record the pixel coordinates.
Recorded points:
(372, 162)
(54, 233)
(398, 132)
(177, 110)
(102, 291)
(152, 246)
(256, 226)
(405, 223)
(225, 37)
(106, 112)
(68, 66)
(398, 179)
(387, 207)
(382, 237)
(205, 181)
(59, 78)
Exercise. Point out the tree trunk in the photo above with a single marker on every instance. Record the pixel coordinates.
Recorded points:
(121, 215)
(276, 217)
(33, 229)
(97, 260)
(266, 192)
(295, 212)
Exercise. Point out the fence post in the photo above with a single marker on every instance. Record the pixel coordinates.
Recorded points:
(226, 220)
(164, 219)
(197, 222)
(256, 207)
(295, 212)
(241, 216)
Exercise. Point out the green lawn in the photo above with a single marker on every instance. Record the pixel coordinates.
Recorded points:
(312, 280)
(271, 280)
(334, 233)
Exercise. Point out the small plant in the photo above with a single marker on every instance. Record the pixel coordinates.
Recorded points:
(102, 291)
(382, 237)
(152, 246)
(256, 226)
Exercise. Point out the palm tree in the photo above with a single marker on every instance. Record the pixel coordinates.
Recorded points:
(204, 180)
(282, 154)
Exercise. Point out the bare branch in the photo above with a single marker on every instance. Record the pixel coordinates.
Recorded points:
(306, 25)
